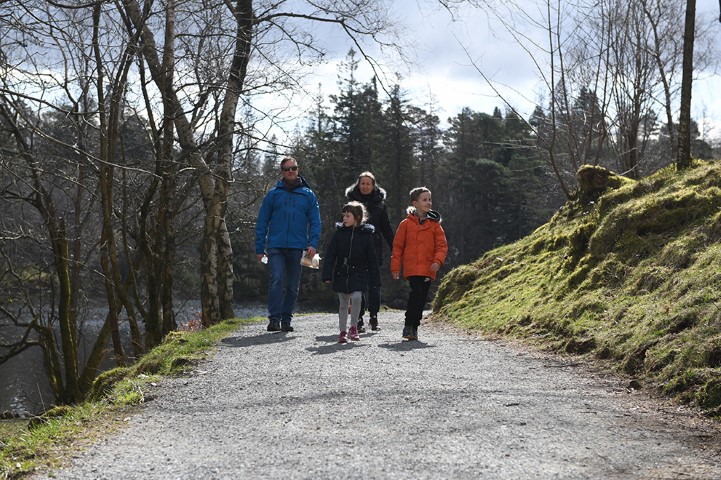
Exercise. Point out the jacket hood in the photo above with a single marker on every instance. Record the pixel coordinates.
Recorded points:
(364, 227)
(376, 196)
(432, 214)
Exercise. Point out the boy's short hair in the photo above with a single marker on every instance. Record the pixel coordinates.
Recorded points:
(358, 210)
(416, 192)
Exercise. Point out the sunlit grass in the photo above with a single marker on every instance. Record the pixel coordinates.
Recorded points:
(49, 440)
(632, 278)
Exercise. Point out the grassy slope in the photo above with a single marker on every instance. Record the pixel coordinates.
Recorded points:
(633, 278)
(52, 439)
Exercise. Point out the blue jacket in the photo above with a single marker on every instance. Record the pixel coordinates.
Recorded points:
(288, 218)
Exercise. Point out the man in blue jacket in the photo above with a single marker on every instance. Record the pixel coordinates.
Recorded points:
(288, 223)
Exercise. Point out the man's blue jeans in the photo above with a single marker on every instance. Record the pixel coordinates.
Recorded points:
(284, 264)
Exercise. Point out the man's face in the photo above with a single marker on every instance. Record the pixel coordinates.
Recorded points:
(290, 171)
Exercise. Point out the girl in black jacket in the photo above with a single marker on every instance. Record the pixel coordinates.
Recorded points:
(350, 263)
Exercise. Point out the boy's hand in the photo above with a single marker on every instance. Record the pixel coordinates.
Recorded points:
(435, 266)
(396, 275)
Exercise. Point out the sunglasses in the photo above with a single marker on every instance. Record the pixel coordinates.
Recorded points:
(286, 169)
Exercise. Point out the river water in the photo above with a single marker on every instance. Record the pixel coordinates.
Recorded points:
(24, 387)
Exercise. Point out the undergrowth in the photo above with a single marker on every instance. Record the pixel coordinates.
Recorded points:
(632, 278)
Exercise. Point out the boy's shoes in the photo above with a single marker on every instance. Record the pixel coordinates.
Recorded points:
(374, 323)
(361, 327)
(286, 327)
(342, 338)
(414, 334)
(273, 326)
(410, 333)
(354, 334)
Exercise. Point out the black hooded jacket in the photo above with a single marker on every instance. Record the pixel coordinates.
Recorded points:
(377, 216)
(349, 258)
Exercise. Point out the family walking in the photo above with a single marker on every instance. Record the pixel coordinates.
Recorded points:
(289, 225)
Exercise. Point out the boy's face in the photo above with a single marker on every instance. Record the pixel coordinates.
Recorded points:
(348, 219)
(424, 203)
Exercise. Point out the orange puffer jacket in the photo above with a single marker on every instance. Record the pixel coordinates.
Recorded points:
(416, 246)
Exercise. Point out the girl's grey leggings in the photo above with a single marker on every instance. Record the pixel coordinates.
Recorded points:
(355, 299)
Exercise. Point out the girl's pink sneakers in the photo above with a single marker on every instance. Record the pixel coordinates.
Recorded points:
(354, 334)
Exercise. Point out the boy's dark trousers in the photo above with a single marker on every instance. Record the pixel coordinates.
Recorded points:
(417, 300)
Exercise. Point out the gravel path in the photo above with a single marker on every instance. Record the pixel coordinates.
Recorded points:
(301, 406)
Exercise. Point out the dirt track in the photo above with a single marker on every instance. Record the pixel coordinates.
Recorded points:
(298, 405)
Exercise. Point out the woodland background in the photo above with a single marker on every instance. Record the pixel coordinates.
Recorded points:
(135, 149)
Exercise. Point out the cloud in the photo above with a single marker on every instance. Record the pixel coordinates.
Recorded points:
(448, 53)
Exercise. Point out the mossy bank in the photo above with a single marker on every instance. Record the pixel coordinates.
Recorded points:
(51, 439)
(630, 274)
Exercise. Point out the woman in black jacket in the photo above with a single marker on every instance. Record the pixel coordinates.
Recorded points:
(351, 265)
(366, 191)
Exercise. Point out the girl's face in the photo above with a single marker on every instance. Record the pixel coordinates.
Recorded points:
(348, 219)
(365, 185)
(424, 203)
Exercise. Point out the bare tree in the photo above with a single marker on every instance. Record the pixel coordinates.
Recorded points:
(63, 104)
(608, 67)
(204, 101)
(97, 185)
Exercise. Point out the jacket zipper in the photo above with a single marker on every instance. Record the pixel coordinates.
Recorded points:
(347, 277)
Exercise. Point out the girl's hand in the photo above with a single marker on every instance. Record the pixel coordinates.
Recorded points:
(435, 266)
(396, 275)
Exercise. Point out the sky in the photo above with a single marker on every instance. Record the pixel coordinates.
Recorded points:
(444, 52)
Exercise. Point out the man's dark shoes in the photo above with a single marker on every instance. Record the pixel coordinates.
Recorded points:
(407, 332)
(273, 326)
(286, 327)
(374, 323)
(361, 327)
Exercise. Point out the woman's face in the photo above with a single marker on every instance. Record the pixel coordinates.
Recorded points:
(365, 185)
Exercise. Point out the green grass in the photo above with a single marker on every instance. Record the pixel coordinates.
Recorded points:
(632, 277)
(47, 441)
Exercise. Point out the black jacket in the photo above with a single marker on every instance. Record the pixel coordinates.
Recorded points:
(349, 258)
(377, 216)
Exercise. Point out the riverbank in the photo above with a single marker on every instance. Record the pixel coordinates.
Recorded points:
(24, 387)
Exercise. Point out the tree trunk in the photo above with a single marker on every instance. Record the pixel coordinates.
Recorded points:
(236, 78)
(92, 364)
(67, 334)
(683, 158)
(207, 178)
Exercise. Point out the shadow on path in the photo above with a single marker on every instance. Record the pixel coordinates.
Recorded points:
(406, 345)
(334, 346)
(259, 339)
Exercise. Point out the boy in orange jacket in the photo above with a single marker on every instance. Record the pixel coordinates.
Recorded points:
(420, 247)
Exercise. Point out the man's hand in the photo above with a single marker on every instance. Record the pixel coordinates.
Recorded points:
(396, 275)
(311, 252)
(260, 257)
(435, 266)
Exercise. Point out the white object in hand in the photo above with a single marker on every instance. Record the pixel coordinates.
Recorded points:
(310, 262)
(264, 259)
